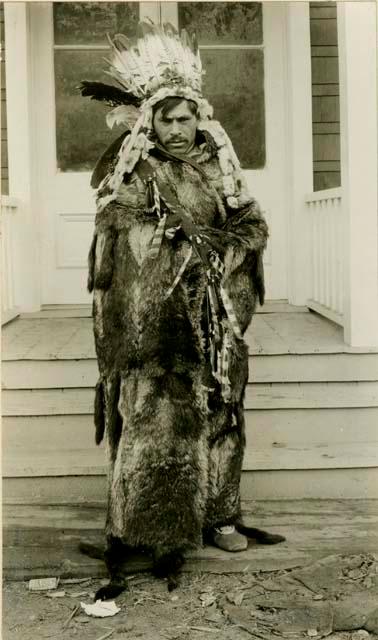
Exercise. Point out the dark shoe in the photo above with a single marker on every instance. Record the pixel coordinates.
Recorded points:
(228, 539)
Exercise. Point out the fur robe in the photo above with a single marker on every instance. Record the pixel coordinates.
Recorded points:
(175, 449)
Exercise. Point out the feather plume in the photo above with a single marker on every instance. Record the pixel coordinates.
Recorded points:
(175, 47)
(123, 114)
(128, 64)
(158, 54)
(145, 47)
(107, 93)
(188, 57)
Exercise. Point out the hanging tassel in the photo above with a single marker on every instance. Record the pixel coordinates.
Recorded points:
(223, 367)
(157, 239)
(230, 312)
(180, 273)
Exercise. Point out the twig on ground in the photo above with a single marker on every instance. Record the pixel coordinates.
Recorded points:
(106, 635)
(75, 580)
(205, 629)
(253, 632)
(72, 614)
(303, 583)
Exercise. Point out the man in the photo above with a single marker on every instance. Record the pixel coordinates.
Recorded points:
(176, 270)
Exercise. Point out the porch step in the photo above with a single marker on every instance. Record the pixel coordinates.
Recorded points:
(290, 395)
(82, 371)
(311, 410)
(276, 440)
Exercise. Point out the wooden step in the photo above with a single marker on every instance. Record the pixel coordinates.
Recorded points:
(291, 395)
(292, 439)
(76, 461)
(83, 372)
(338, 484)
(269, 334)
(265, 427)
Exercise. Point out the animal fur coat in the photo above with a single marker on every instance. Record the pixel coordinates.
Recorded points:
(174, 446)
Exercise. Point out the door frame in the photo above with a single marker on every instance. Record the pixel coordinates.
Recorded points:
(280, 19)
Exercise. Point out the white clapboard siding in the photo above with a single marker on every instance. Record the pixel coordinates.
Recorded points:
(337, 367)
(258, 396)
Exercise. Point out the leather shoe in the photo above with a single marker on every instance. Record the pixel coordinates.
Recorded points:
(228, 539)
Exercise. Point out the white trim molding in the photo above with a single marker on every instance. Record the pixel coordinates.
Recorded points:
(357, 39)
(299, 156)
(21, 134)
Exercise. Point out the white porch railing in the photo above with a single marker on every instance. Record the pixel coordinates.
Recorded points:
(9, 208)
(327, 255)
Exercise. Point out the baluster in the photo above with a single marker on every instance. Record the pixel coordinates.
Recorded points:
(313, 281)
(332, 252)
(321, 252)
(340, 253)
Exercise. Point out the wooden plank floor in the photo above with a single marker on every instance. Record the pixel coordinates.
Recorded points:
(41, 541)
(45, 337)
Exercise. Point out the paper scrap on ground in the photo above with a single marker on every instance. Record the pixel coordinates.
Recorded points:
(43, 584)
(100, 609)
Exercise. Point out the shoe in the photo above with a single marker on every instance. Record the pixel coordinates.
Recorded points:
(228, 539)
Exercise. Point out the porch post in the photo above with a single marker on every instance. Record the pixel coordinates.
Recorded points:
(358, 125)
(299, 164)
(20, 156)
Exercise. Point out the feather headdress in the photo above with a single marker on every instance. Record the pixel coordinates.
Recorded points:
(157, 58)
(158, 64)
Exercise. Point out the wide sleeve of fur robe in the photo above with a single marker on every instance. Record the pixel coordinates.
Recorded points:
(174, 447)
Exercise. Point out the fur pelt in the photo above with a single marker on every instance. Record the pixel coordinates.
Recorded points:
(175, 449)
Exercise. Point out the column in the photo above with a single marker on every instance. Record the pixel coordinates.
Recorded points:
(300, 148)
(357, 39)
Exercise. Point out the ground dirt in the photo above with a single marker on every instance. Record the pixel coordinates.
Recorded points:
(336, 597)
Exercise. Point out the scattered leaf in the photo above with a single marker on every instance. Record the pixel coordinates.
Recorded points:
(312, 633)
(82, 619)
(207, 599)
(100, 609)
(124, 628)
(270, 585)
(318, 596)
(235, 597)
(356, 574)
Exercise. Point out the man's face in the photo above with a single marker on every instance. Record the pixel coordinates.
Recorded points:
(177, 129)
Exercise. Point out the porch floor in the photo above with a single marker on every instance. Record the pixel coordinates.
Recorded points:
(67, 334)
(41, 540)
